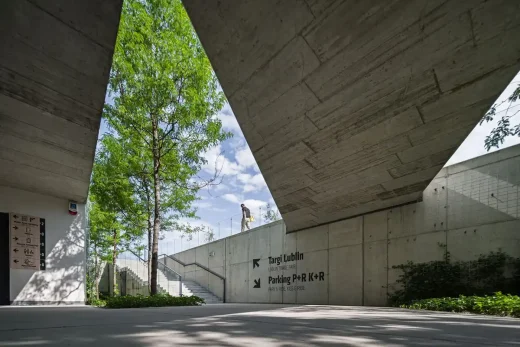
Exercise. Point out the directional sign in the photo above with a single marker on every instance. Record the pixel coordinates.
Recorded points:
(257, 283)
(27, 238)
(255, 263)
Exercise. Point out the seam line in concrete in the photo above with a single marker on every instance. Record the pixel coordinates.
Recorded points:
(436, 81)
(57, 92)
(472, 28)
(276, 54)
(107, 49)
(363, 260)
(354, 216)
(420, 115)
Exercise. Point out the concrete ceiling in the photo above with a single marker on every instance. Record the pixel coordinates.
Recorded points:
(55, 58)
(353, 106)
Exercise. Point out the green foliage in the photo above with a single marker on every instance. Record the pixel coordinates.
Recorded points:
(490, 273)
(271, 214)
(96, 302)
(504, 127)
(165, 101)
(498, 304)
(159, 300)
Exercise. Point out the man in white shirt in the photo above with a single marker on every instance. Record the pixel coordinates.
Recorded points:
(246, 217)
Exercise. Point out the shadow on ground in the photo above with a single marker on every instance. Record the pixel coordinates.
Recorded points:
(251, 325)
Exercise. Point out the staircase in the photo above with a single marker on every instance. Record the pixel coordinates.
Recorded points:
(167, 280)
(190, 288)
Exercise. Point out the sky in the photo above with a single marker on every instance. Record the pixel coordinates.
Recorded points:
(473, 146)
(242, 182)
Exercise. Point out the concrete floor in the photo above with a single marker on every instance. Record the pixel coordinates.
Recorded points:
(250, 325)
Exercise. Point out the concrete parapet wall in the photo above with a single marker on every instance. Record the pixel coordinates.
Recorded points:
(472, 208)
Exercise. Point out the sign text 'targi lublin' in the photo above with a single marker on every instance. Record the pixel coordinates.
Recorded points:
(292, 282)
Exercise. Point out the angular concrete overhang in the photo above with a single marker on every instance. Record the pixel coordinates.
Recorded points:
(354, 106)
(55, 59)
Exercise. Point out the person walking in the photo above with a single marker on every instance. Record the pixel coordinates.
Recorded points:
(246, 217)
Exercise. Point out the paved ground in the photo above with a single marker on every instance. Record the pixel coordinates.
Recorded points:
(250, 325)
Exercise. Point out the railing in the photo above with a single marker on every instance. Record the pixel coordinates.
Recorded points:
(221, 229)
(140, 270)
(202, 267)
(168, 269)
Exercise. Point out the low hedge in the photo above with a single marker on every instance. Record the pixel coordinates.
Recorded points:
(159, 300)
(498, 304)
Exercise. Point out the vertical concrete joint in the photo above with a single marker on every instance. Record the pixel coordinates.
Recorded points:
(472, 28)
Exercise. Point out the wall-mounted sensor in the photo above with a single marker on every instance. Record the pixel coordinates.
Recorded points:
(73, 208)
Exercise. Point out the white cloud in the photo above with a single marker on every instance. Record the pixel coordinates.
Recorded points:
(244, 161)
(255, 205)
(231, 198)
(229, 122)
(202, 204)
(245, 158)
(217, 162)
(220, 187)
(252, 183)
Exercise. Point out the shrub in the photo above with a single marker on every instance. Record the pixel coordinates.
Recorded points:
(159, 300)
(488, 274)
(498, 304)
(96, 302)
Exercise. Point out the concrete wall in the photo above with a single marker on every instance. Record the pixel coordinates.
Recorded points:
(63, 280)
(127, 282)
(212, 256)
(472, 207)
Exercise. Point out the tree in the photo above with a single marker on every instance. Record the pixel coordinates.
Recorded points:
(99, 247)
(271, 214)
(504, 127)
(117, 218)
(165, 97)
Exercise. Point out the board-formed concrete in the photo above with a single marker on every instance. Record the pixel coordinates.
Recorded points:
(354, 106)
(250, 325)
(55, 59)
(350, 262)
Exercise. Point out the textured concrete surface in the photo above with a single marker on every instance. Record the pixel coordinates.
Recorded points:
(354, 106)
(471, 208)
(55, 58)
(250, 325)
(63, 279)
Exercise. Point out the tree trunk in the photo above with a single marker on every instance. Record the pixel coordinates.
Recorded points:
(157, 205)
(96, 271)
(150, 229)
(149, 258)
(114, 257)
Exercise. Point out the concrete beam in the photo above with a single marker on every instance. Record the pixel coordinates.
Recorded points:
(55, 58)
(349, 106)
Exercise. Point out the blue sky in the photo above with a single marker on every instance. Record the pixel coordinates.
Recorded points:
(219, 206)
(241, 182)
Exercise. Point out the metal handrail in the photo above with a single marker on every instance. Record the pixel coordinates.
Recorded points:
(195, 263)
(202, 267)
(138, 256)
(146, 263)
(166, 266)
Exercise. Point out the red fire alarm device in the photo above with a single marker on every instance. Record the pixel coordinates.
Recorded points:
(73, 208)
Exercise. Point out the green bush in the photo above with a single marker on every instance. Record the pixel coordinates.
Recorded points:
(97, 302)
(498, 304)
(159, 300)
(488, 274)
